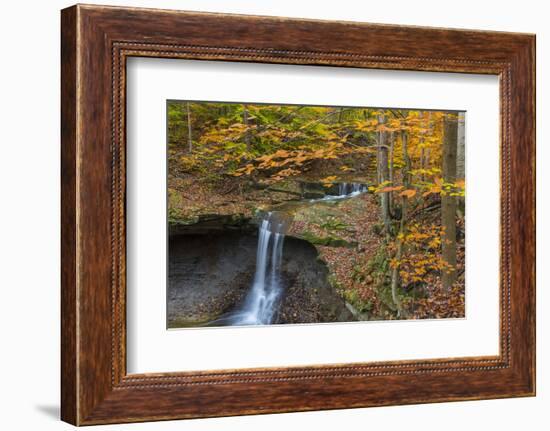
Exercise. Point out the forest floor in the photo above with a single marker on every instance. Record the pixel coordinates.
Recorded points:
(346, 233)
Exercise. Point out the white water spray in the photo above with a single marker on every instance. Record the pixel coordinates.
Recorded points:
(265, 294)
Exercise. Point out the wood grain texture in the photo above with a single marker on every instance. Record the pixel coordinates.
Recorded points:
(96, 41)
(69, 397)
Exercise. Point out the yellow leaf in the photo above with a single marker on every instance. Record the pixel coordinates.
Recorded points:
(329, 179)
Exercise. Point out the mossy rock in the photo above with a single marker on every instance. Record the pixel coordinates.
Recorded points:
(329, 241)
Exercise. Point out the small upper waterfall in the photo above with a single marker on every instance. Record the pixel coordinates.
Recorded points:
(351, 189)
(345, 190)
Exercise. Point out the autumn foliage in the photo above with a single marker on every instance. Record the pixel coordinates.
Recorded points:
(404, 252)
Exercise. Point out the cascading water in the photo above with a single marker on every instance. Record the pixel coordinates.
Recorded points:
(263, 298)
(345, 190)
(351, 189)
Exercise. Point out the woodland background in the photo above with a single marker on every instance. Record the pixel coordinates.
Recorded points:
(395, 252)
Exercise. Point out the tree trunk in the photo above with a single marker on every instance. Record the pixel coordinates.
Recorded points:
(423, 163)
(461, 156)
(189, 131)
(395, 278)
(461, 147)
(378, 168)
(406, 158)
(391, 167)
(384, 174)
(448, 203)
(245, 121)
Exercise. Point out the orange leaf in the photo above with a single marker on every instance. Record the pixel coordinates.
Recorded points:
(389, 189)
(408, 193)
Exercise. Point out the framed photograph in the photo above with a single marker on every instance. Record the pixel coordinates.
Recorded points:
(263, 215)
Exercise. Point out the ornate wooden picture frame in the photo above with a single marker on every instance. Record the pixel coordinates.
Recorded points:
(96, 41)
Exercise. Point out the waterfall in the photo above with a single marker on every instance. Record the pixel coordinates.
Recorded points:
(345, 190)
(263, 298)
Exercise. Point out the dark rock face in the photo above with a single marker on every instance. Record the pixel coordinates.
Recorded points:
(207, 275)
(207, 223)
(211, 273)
